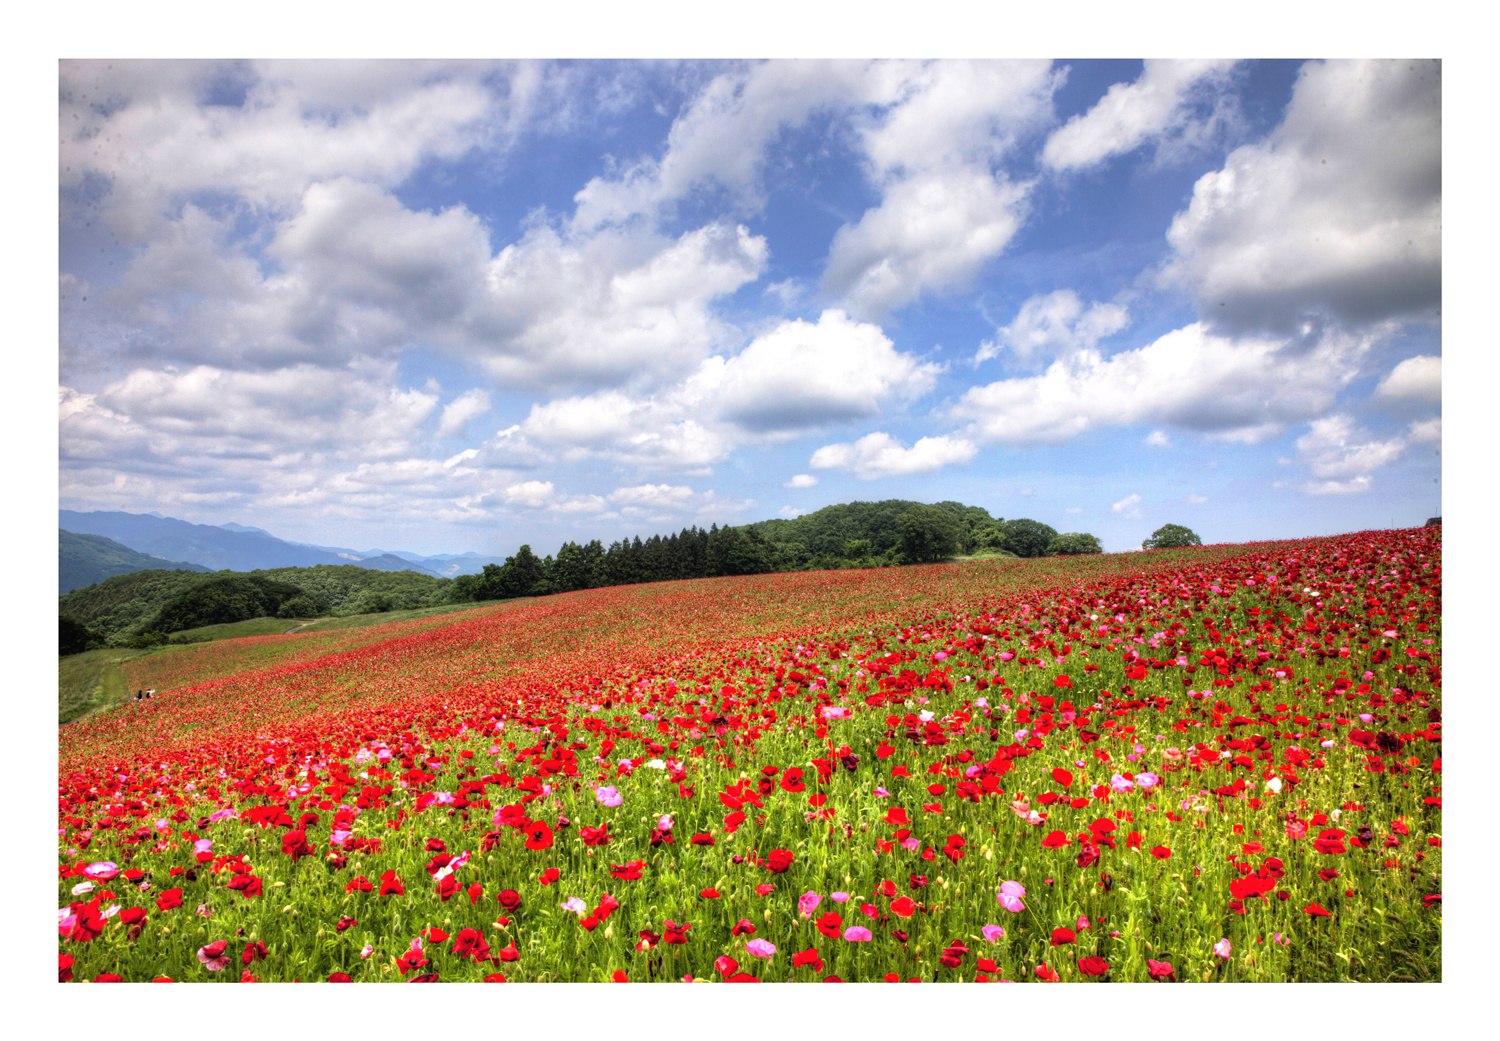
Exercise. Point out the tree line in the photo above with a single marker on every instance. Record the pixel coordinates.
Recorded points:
(848, 535)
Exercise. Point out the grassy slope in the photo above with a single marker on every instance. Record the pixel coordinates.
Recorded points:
(99, 680)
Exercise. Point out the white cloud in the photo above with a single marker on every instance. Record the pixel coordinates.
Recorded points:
(661, 496)
(1157, 439)
(721, 137)
(1073, 509)
(1336, 214)
(1243, 388)
(1425, 431)
(800, 375)
(1055, 326)
(1160, 103)
(462, 409)
(944, 209)
(1127, 503)
(1342, 456)
(880, 455)
(801, 481)
(790, 512)
(1197, 500)
(1416, 379)
(532, 494)
(151, 129)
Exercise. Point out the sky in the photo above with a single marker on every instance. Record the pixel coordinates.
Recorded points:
(444, 306)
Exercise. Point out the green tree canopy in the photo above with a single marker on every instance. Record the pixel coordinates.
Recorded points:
(1027, 538)
(1172, 536)
(1072, 544)
(929, 533)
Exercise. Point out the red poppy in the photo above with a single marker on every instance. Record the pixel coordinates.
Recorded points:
(779, 860)
(1062, 936)
(245, 883)
(742, 928)
(64, 968)
(1045, 974)
(1062, 777)
(702, 839)
(1093, 965)
(253, 952)
(903, 906)
(538, 835)
(88, 922)
(672, 932)
(595, 836)
(831, 925)
(340, 977)
(792, 780)
(131, 915)
(508, 953)
(169, 899)
(391, 884)
(627, 872)
(1161, 853)
(808, 957)
(896, 815)
(1056, 840)
(619, 976)
(1160, 970)
(1316, 911)
(709, 894)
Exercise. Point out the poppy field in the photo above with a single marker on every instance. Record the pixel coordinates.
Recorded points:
(1213, 764)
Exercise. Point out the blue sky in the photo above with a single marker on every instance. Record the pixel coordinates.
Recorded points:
(442, 306)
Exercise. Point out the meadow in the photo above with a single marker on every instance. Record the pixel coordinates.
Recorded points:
(1213, 764)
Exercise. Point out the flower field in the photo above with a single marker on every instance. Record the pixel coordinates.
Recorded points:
(1218, 764)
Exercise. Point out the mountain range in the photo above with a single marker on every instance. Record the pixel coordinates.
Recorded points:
(166, 542)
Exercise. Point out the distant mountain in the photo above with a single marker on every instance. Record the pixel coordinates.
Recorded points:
(242, 528)
(216, 547)
(83, 560)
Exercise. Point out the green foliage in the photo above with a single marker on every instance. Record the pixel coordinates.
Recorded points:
(1073, 544)
(929, 533)
(228, 598)
(1172, 536)
(126, 604)
(1027, 538)
(857, 549)
(304, 605)
(74, 637)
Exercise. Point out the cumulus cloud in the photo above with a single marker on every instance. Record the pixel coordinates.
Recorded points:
(880, 455)
(1239, 388)
(801, 481)
(1415, 379)
(1157, 439)
(160, 131)
(796, 377)
(790, 512)
(462, 409)
(1336, 215)
(1425, 431)
(1343, 456)
(1127, 503)
(1055, 325)
(1167, 101)
(1197, 500)
(802, 375)
(944, 210)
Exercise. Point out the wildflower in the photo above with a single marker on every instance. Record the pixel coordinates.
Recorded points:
(993, 933)
(857, 934)
(608, 796)
(212, 955)
(1010, 897)
(760, 948)
(1222, 948)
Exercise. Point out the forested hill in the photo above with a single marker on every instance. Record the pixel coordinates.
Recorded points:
(85, 559)
(169, 601)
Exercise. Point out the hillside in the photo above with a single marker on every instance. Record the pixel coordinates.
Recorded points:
(83, 560)
(125, 605)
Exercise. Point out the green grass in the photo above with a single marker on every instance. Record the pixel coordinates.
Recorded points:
(91, 682)
(358, 621)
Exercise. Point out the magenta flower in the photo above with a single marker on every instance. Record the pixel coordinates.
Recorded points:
(1010, 897)
(807, 903)
(608, 796)
(1222, 948)
(993, 933)
(101, 871)
(213, 957)
(760, 948)
(857, 934)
